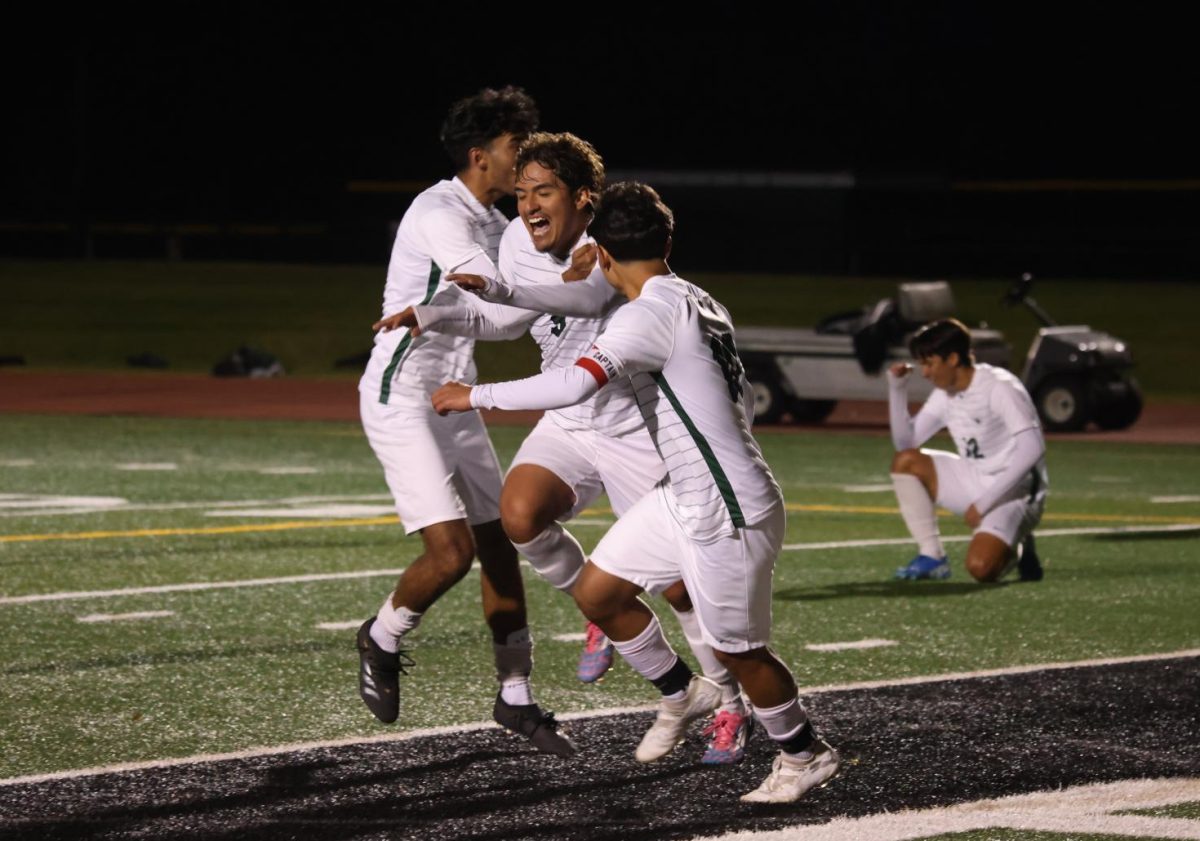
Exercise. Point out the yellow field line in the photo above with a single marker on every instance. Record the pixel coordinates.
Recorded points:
(292, 525)
(255, 527)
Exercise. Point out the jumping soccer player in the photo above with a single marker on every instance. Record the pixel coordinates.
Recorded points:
(716, 521)
(443, 472)
(997, 482)
(600, 445)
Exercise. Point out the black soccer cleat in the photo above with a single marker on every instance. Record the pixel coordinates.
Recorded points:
(538, 727)
(379, 675)
(1029, 567)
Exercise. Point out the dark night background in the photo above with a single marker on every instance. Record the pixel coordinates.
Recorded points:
(966, 138)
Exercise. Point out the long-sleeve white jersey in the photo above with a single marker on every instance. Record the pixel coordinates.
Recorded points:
(984, 420)
(445, 229)
(562, 339)
(676, 343)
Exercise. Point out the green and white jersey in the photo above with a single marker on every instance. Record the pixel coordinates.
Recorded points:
(563, 339)
(445, 229)
(676, 343)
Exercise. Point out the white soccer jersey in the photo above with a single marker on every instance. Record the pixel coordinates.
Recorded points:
(677, 343)
(563, 340)
(444, 229)
(983, 419)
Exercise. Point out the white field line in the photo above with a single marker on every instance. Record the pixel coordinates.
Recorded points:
(288, 471)
(1076, 811)
(339, 626)
(408, 735)
(213, 504)
(1164, 500)
(302, 579)
(1039, 533)
(867, 489)
(147, 465)
(850, 646)
(569, 637)
(332, 511)
(17, 462)
(124, 617)
(51, 502)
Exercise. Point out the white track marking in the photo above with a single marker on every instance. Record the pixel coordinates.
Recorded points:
(124, 617)
(288, 471)
(17, 462)
(1161, 500)
(335, 511)
(224, 503)
(867, 489)
(963, 538)
(148, 465)
(850, 646)
(1082, 810)
(339, 626)
(569, 637)
(611, 711)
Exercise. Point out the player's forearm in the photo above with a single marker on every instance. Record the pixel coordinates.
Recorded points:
(589, 298)
(899, 420)
(458, 320)
(1028, 449)
(549, 390)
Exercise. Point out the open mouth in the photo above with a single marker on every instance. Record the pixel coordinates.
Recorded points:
(539, 225)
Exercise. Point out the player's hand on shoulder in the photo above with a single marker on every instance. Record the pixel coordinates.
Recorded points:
(583, 260)
(469, 282)
(452, 397)
(404, 318)
(900, 370)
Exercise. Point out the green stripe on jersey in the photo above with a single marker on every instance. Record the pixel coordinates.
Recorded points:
(385, 389)
(710, 458)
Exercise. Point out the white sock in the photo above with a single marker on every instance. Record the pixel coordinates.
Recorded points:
(919, 513)
(649, 654)
(392, 623)
(783, 722)
(555, 555)
(514, 663)
(731, 693)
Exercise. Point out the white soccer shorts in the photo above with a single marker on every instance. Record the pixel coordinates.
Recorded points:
(438, 469)
(729, 579)
(590, 463)
(960, 483)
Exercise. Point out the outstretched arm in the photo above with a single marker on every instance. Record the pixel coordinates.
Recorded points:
(590, 298)
(549, 390)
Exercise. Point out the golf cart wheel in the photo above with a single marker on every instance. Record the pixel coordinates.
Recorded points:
(1121, 404)
(769, 399)
(812, 411)
(1062, 404)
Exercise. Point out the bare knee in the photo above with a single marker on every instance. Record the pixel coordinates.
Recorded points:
(450, 551)
(910, 461)
(987, 557)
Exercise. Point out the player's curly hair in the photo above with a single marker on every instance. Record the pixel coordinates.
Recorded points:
(477, 120)
(575, 161)
(942, 338)
(632, 223)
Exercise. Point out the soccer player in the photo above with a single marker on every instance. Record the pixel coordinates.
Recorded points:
(997, 482)
(443, 472)
(575, 452)
(716, 521)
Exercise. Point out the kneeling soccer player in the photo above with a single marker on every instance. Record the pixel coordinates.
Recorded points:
(997, 482)
(716, 520)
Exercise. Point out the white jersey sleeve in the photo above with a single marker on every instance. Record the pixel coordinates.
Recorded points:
(590, 298)
(637, 340)
(451, 244)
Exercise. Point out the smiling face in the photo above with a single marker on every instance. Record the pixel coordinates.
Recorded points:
(553, 216)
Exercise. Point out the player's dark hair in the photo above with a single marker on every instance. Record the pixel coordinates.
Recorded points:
(477, 120)
(942, 338)
(632, 223)
(575, 161)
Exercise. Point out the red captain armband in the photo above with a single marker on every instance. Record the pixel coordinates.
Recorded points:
(593, 367)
